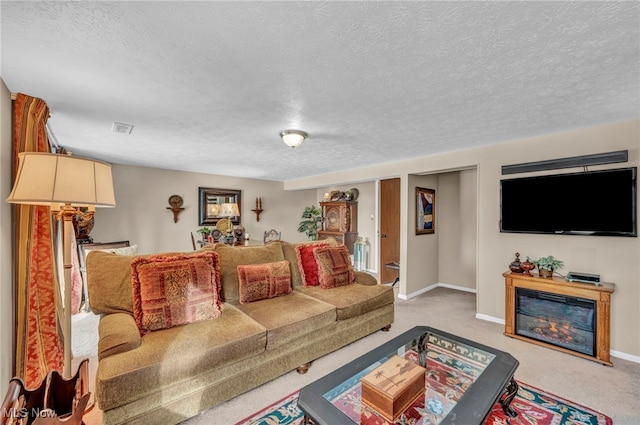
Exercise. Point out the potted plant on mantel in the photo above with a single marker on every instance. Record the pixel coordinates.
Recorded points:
(312, 221)
(547, 265)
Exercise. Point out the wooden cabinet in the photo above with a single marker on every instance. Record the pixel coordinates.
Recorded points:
(340, 221)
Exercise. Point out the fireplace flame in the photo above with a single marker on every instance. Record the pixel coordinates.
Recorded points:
(554, 330)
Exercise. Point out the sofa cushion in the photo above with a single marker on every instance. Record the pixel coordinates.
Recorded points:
(364, 278)
(352, 300)
(334, 266)
(231, 257)
(290, 317)
(172, 290)
(307, 263)
(178, 354)
(118, 334)
(109, 282)
(261, 281)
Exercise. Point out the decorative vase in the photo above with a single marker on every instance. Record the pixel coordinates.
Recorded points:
(545, 273)
(527, 266)
(516, 265)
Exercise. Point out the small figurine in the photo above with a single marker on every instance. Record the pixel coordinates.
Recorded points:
(516, 265)
(527, 266)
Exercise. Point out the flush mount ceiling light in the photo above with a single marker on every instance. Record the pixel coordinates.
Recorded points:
(119, 127)
(293, 138)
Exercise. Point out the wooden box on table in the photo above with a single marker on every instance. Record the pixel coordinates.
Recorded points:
(393, 386)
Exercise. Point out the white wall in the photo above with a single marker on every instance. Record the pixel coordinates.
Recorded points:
(614, 258)
(141, 215)
(457, 226)
(6, 254)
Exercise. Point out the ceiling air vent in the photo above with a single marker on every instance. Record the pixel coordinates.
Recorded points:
(119, 127)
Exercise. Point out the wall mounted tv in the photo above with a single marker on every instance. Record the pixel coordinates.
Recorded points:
(599, 203)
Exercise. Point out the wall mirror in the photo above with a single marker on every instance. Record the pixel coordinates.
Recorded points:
(210, 202)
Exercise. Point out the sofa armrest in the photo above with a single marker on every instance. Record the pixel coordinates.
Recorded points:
(118, 334)
(364, 278)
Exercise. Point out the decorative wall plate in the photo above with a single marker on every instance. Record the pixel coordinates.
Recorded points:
(175, 201)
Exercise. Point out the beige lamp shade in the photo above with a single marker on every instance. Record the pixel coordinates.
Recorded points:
(45, 179)
(229, 210)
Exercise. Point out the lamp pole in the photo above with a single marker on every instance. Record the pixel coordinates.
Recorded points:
(66, 214)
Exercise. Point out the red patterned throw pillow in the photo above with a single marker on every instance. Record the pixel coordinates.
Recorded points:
(334, 267)
(172, 290)
(262, 281)
(307, 262)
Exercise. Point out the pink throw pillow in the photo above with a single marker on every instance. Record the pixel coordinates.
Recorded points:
(262, 281)
(334, 267)
(307, 262)
(172, 290)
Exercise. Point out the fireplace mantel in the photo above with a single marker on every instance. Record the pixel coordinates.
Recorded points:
(601, 294)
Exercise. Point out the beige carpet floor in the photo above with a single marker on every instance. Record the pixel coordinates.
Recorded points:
(614, 391)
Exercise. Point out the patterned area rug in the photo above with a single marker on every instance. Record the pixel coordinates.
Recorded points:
(534, 407)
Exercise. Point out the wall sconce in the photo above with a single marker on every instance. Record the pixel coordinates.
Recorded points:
(258, 209)
(293, 138)
(176, 206)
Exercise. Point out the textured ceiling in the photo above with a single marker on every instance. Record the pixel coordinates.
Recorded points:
(209, 85)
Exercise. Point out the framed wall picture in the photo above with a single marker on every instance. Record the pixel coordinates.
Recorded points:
(425, 211)
(210, 201)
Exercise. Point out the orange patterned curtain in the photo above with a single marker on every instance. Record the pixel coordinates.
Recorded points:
(38, 344)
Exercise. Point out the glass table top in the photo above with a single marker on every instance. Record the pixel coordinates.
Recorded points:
(453, 368)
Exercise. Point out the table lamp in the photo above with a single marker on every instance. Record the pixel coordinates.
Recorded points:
(229, 210)
(64, 183)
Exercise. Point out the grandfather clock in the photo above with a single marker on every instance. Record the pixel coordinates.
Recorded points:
(340, 222)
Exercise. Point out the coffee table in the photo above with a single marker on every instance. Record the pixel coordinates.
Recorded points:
(464, 380)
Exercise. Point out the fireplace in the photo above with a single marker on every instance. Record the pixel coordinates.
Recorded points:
(560, 320)
(571, 317)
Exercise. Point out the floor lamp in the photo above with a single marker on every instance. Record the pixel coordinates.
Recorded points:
(65, 183)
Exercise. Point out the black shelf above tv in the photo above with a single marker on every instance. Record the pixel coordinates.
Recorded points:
(594, 203)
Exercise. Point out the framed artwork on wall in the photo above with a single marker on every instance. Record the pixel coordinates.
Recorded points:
(210, 202)
(425, 211)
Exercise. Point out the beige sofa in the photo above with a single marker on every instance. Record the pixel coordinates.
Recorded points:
(172, 374)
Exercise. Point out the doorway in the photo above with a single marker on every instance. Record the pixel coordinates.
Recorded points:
(389, 230)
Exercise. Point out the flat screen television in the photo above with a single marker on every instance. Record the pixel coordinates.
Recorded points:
(599, 203)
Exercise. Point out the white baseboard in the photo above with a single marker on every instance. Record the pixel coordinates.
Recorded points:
(415, 294)
(625, 356)
(618, 354)
(489, 318)
(434, 286)
(457, 287)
